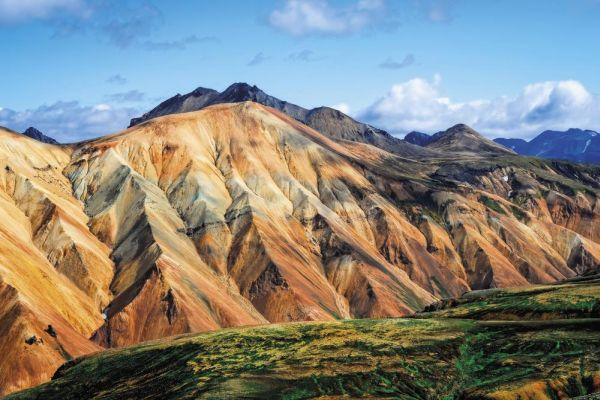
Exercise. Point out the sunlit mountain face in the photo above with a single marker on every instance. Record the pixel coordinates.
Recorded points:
(299, 199)
(239, 214)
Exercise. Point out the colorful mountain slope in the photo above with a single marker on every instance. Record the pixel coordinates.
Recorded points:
(239, 214)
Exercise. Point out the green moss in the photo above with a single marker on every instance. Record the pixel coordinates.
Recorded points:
(518, 213)
(576, 299)
(432, 358)
(492, 204)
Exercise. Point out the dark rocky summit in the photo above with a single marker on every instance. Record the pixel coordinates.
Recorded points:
(418, 138)
(39, 136)
(326, 120)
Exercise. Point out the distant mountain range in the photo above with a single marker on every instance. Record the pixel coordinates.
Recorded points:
(240, 214)
(577, 145)
(574, 144)
(326, 120)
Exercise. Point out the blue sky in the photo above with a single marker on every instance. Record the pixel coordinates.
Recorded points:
(81, 68)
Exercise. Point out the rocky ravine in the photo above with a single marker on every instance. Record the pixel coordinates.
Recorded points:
(240, 215)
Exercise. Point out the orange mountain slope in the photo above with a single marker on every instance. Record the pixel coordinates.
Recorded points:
(239, 215)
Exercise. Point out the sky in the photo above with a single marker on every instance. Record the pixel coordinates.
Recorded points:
(78, 69)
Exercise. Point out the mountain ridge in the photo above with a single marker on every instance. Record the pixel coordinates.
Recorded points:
(574, 144)
(325, 119)
(239, 214)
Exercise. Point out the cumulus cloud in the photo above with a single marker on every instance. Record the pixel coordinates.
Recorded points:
(70, 121)
(390, 63)
(306, 17)
(438, 10)
(14, 11)
(419, 105)
(343, 107)
(122, 23)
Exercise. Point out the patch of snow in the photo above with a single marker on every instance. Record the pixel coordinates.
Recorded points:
(104, 316)
(505, 178)
(587, 143)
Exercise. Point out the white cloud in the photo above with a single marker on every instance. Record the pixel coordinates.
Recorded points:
(438, 10)
(70, 121)
(343, 107)
(22, 10)
(419, 105)
(305, 17)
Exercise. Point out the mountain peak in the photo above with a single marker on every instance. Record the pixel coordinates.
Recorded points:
(463, 138)
(34, 133)
(241, 91)
(418, 138)
(462, 129)
(201, 91)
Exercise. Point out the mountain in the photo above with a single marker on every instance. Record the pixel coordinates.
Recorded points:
(574, 144)
(519, 146)
(457, 139)
(418, 138)
(239, 214)
(329, 121)
(202, 97)
(535, 356)
(39, 136)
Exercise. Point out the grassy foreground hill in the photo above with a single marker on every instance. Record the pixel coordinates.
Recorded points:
(552, 355)
(574, 298)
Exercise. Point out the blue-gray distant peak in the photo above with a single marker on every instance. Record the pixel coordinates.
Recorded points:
(39, 136)
(577, 145)
(418, 138)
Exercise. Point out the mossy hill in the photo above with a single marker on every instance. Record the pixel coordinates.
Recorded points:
(541, 342)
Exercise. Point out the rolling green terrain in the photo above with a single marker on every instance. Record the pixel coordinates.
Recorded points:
(551, 352)
(576, 298)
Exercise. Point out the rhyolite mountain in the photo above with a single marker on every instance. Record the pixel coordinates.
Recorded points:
(239, 214)
(327, 120)
(39, 136)
(574, 144)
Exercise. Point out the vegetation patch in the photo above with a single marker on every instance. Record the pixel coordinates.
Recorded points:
(552, 350)
(492, 204)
